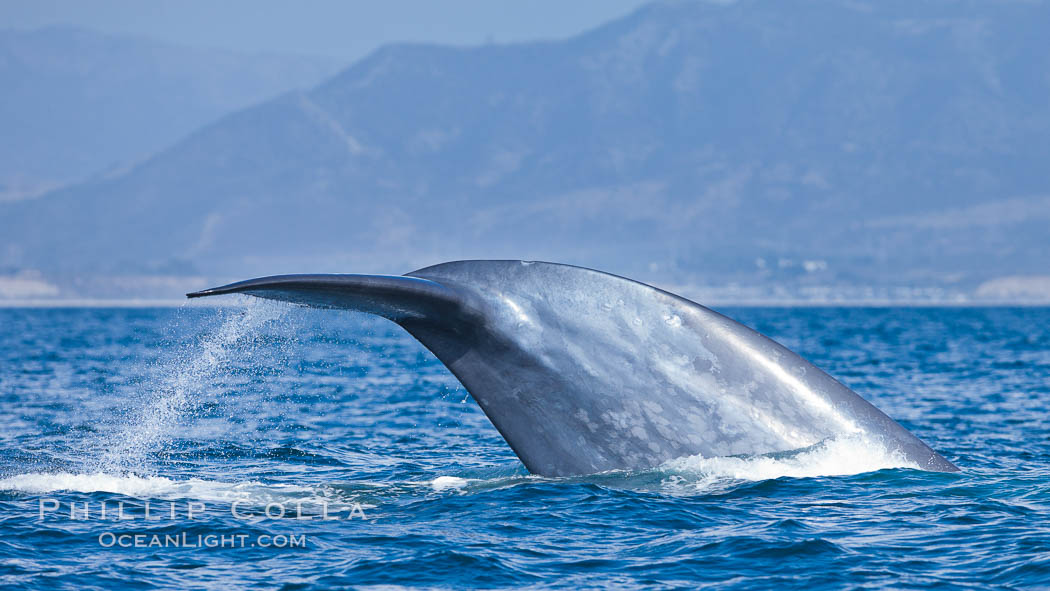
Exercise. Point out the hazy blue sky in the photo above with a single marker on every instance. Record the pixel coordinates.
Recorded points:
(322, 27)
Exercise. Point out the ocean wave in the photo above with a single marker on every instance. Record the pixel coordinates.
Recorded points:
(843, 456)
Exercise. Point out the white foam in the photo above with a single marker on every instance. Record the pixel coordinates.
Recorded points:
(159, 487)
(442, 483)
(842, 456)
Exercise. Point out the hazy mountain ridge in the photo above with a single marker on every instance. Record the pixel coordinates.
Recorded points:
(77, 103)
(823, 143)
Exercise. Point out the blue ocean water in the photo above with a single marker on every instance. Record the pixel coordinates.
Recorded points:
(319, 450)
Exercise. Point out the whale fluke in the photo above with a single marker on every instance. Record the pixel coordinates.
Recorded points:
(583, 372)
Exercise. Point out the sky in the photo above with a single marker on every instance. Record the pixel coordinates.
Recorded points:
(342, 29)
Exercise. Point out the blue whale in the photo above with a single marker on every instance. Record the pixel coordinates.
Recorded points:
(583, 372)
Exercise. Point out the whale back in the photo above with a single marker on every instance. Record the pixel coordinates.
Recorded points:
(583, 372)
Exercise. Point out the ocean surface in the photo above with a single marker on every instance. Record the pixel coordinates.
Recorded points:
(280, 447)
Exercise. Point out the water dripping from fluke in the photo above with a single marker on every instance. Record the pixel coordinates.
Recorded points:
(179, 385)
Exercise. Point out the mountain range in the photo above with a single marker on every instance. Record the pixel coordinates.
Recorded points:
(892, 149)
(76, 103)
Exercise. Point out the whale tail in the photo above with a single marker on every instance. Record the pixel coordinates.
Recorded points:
(582, 371)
